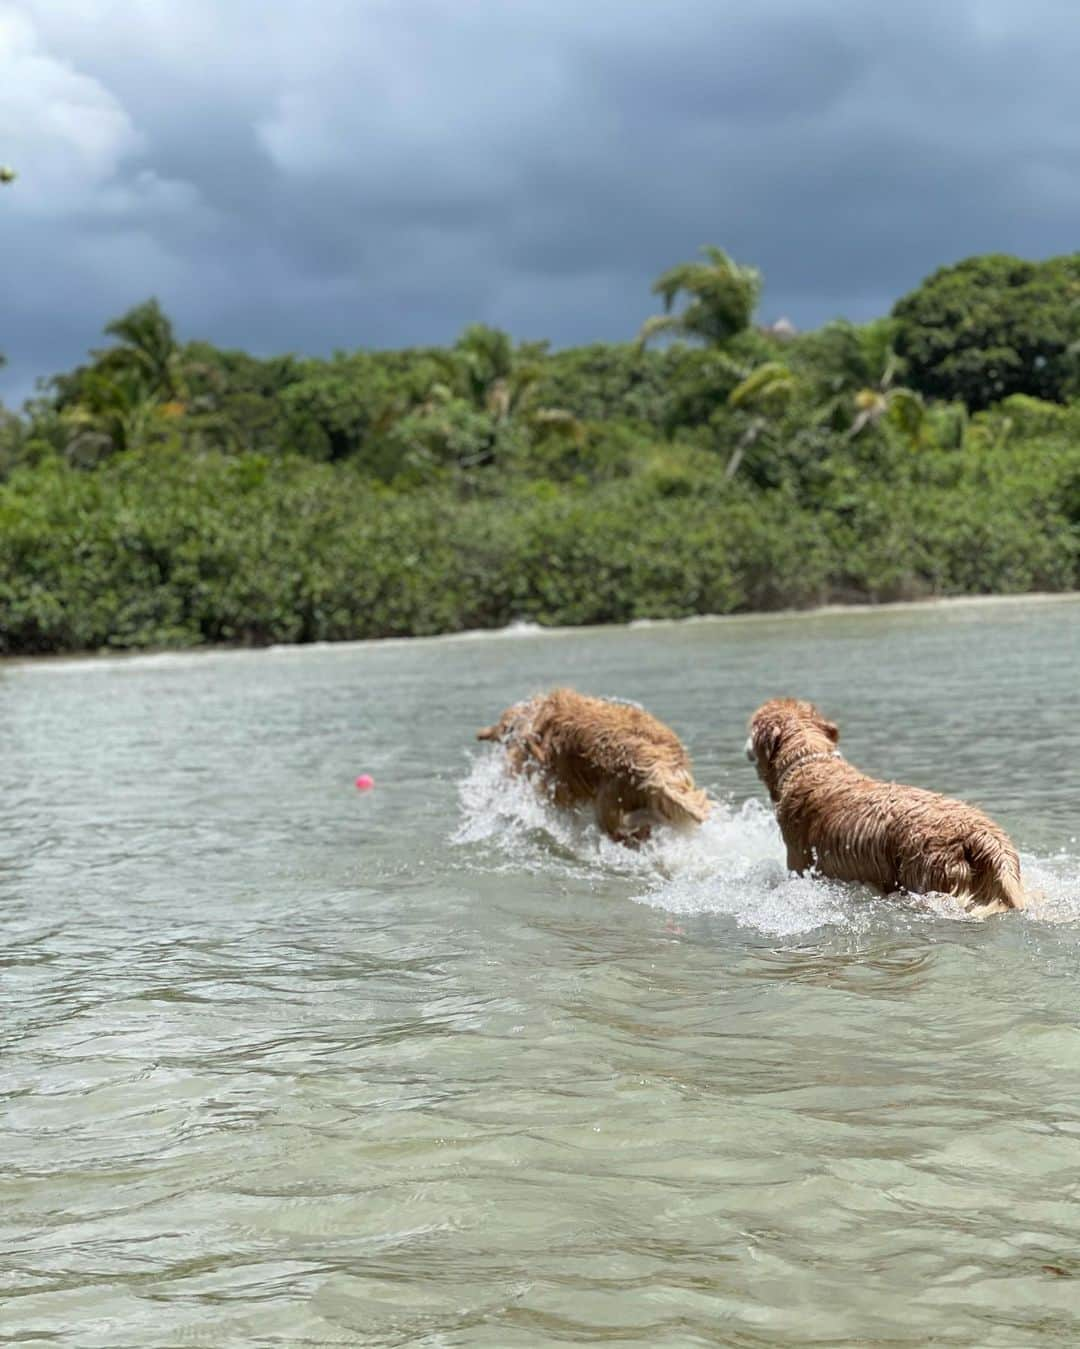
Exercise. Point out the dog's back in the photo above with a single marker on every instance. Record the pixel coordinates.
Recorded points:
(897, 837)
(630, 765)
(852, 827)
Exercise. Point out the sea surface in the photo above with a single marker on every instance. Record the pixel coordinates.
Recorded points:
(287, 1063)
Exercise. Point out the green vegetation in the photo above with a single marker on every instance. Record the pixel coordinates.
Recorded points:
(994, 326)
(172, 493)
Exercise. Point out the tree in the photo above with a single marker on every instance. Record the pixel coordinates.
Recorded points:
(903, 407)
(483, 405)
(722, 296)
(611, 380)
(992, 326)
(763, 394)
(496, 377)
(116, 413)
(148, 349)
(842, 357)
(235, 402)
(342, 408)
(853, 371)
(129, 393)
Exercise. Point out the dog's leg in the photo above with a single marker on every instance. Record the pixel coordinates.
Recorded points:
(608, 810)
(630, 827)
(799, 859)
(638, 825)
(978, 908)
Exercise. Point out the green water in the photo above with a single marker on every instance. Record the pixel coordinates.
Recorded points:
(288, 1064)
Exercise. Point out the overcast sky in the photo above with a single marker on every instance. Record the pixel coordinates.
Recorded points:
(311, 174)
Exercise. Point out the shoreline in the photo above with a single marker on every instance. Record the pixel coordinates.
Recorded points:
(528, 629)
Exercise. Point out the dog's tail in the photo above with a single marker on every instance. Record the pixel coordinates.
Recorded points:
(677, 800)
(995, 873)
(488, 733)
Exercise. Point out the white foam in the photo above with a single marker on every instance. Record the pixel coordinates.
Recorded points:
(507, 810)
(112, 661)
(520, 627)
(733, 865)
(1054, 886)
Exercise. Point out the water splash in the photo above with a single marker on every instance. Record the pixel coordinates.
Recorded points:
(1054, 885)
(507, 812)
(733, 865)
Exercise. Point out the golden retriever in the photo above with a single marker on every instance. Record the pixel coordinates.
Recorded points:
(631, 767)
(852, 828)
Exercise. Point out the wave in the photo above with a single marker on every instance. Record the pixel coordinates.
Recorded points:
(733, 865)
(199, 655)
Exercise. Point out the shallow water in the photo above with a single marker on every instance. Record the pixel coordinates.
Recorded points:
(284, 1063)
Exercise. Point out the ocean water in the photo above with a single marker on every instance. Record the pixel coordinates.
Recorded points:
(284, 1063)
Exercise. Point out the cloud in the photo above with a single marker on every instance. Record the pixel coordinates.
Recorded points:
(333, 173)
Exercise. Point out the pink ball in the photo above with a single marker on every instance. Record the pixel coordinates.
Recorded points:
(365, 782)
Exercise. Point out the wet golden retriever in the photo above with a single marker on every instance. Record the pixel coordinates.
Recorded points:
(852, 828)
(631, 767)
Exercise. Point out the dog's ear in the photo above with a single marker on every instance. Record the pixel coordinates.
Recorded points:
(488, 733)
(831, 730)
(765, 739)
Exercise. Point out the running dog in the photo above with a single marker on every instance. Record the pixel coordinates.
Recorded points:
(633, 769)
(853, 828)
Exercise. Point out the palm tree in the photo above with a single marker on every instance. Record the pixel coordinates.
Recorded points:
(148, 346)
(885, 398)
(722, 296)
(130, 392)
(497, 378)
(903, 407)
(115, 412)
(762, 394)
(856, 369)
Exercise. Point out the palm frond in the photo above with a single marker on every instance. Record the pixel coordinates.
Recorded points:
(659, 323)
(771, 382)
(907, 412)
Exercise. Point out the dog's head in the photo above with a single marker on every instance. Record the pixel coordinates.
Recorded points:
(784, 729)
(514, 725)
(503, 728)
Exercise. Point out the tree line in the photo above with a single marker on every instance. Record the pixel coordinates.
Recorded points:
(172, 492)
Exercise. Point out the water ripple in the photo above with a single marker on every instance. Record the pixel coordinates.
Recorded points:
(285, 1064)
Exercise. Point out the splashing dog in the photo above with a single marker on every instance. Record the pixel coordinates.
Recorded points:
(851, 827)
(632, 768)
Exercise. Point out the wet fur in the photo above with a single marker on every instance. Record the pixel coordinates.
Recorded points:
(632, 768)
(853, 828)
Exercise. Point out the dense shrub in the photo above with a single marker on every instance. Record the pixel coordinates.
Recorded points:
(164, 548)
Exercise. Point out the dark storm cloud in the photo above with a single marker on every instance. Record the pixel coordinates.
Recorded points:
(382, 173)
